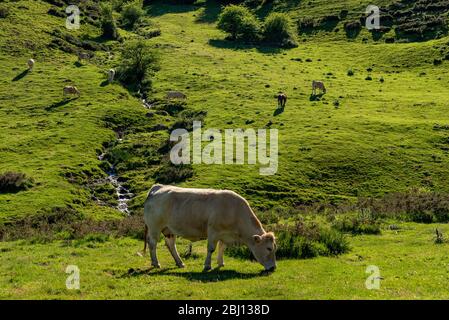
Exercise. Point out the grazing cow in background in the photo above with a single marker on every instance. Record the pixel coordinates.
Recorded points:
(111, 75)
(176, 95)
(83, 56)
(220, 216)
(31, 64)
(318, 85)
(282, 100)
(71, 90)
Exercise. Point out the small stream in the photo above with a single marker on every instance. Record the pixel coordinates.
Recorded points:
(122, 193)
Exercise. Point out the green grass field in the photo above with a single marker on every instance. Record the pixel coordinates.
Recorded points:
(364, 138)
(411, 266)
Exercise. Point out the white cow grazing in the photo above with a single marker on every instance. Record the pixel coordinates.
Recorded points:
(111, 75)
(220, 216)
(31, 64)
(176, 95)
(71, 90)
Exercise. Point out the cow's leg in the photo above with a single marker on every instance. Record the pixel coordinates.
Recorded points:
(170, 241)
(211, 245)
(152, 243)
(221, 248)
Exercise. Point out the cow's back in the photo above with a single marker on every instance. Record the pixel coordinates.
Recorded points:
(189, 212)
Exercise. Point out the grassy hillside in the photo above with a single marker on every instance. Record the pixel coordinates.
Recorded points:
(364, 138)
(380, 131)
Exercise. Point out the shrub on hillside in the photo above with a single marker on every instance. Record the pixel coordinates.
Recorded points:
(277, 30)
(301, 241)
(56, 12)
(108, 25)
(61, 223)
(362, 223)
(306, 25)
(353, 28)
(169, 173)
(138, 65)
(4, 12)
(131, 14)
(14, 182)
(187, 117)
(239, 22)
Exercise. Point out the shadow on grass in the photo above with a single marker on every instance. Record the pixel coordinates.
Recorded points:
(21, 75)
(104, 83)
(160, 7)
(212, 276)
(233, 45)
(278, 111)
(210, 13)
(316, 97)
(78, 64)
(59, 104)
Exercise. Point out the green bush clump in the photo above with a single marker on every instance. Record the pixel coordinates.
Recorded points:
(108, 25)
(362, 223)
(277, 30)
(138, 65)
(240, 23)
(4, 12)
(301, 241)
(132, 13)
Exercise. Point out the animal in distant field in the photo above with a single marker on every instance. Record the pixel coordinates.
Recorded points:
(221, 216)
(83, 56)
(318, 85)
(111, 75)
(282, 100)
(31, 64)
(176, 95)
(71, 90)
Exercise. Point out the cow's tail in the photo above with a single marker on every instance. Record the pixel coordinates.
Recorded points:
(153, 189)
(145, 241)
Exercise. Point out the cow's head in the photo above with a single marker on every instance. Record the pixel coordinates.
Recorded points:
(264, 248)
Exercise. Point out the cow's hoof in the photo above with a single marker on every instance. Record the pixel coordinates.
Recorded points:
(207, 268)
(156, 266)
(182, 265)
(221, 265)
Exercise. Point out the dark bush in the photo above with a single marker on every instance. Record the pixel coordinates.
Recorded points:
(108, 25)
(131, 14)
(172, 107)
(148, 34)
(328, 23)
(186, 119)
(169, 173)
(306, 25)
(353, 28)
(14, 182)
(56, 12)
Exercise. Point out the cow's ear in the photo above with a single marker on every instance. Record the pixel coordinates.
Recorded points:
(257, 238)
